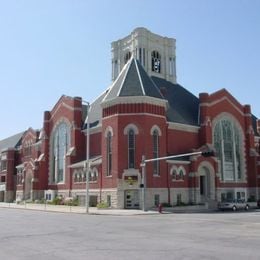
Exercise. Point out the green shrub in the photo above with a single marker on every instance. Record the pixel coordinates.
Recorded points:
(40, 201)
(72, 202)
(102, 205)
(57, 201)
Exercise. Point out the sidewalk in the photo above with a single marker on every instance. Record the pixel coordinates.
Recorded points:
(78, 209)
(115, 212)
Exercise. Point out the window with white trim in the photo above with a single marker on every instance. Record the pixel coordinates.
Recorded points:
(178, 174)
(131, 149)
(3, 165)
(156, 168)
(93, 175)
(109, 153)
(228, 144)
(79, 176)
(181, 174)
(60, 146)
(174, 174)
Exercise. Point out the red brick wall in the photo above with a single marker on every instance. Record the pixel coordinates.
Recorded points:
(143, 143)
(11, 170)
(181, 141)
(217, 103)
(70, 110)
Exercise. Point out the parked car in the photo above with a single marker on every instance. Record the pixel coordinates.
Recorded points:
(234, 205)
(258, 203)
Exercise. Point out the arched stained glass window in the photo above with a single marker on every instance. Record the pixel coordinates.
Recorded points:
(174, 174)
(93, 175)
(60, 145)
(237, 153)
(228, 143)
(181, 174)
(156, 170)
(131, 149)
(109, 154)
(228, 140)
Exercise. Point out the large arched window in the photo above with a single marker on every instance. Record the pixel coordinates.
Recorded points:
(228, 145)
(131, 148)
(60, 146)
(131, 130)
(109, 153)
(156, 61)
(155, 137)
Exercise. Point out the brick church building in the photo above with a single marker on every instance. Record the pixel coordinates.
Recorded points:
(144, 112)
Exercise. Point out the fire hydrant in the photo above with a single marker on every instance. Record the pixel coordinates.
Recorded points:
(160, 208)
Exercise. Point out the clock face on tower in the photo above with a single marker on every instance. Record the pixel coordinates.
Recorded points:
(156, 65)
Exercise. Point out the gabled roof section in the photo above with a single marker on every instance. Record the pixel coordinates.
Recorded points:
(93, 162)
(95, 111)
(11, 142)
(222, 93)
(183, 105)
(133, 81)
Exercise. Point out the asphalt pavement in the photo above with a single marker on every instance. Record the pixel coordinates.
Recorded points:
(33, 234)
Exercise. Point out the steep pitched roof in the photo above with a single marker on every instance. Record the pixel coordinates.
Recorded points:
(95, 111)
(11, 142)
(183, 105)
(133, 81)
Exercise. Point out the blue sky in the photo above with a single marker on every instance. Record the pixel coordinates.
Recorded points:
(49, 48)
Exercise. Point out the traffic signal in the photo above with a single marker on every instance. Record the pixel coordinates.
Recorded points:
(208, 153)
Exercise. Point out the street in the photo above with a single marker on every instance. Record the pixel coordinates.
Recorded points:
(28, 234)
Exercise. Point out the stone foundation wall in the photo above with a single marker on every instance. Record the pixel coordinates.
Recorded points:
(2, 196)
(37, 194)
(94, 195)
(9, 196)
(19, 195)
(183, 193)
(233, 191)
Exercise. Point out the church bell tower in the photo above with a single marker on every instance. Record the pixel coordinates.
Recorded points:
(154, 52)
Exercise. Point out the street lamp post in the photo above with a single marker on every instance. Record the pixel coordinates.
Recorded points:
(87, 158)
(86, 163)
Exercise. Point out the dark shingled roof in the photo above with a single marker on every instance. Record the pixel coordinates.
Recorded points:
(183, 105)
(11, 142)
(133, 81)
